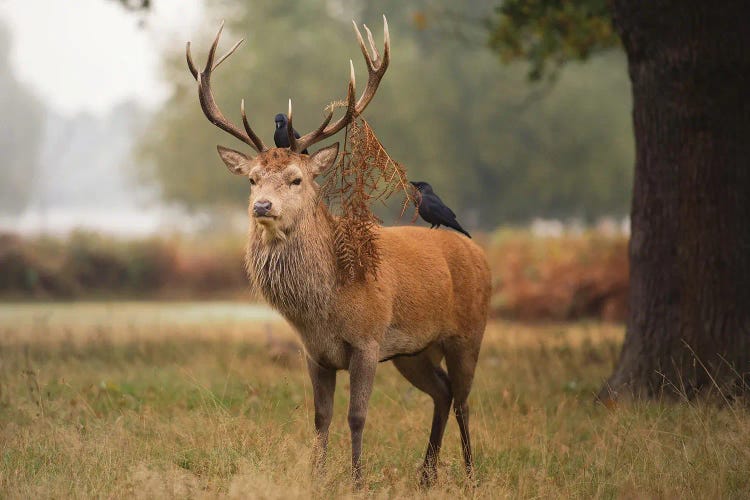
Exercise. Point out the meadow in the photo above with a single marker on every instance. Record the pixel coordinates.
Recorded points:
(194, 400)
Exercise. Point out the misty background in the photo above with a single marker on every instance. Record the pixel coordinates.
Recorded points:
(102, 128)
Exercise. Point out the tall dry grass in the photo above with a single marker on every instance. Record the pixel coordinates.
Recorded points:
(155, 408)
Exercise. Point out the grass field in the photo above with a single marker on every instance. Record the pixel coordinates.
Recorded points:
(204, 400)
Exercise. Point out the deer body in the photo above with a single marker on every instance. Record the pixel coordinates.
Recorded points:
(430, 285)
(426, 301)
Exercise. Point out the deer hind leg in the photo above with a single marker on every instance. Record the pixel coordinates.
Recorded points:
(427, 376)
(324, 385)
(461, 360)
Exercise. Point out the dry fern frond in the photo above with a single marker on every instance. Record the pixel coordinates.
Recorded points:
(364, 174)
(356, 248)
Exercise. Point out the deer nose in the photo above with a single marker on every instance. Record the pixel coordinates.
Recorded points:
(261, 208)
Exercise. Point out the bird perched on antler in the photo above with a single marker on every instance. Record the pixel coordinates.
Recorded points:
(433, 210)
(280, 136)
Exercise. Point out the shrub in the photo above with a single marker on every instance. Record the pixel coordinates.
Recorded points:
(535, 278)
(558, 278)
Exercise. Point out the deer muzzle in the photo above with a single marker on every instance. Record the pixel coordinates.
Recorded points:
(262, 208)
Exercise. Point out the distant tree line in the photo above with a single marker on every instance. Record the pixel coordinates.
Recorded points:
(21, 130)
(494, 147)
(135, 4)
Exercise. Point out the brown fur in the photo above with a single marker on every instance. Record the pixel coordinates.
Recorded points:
(428, 299)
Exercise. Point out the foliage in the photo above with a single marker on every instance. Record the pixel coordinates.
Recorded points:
(130, 400)
(97, 264)
(551, 31)
(558, 278)
(135, 5)
(21, 131)
(90, 265)
(494, 149)
(534, 278)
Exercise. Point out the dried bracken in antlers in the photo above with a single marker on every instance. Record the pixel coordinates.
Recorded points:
(364, 174)
(356, 247)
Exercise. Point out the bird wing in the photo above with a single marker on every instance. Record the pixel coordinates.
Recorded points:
(434, 211)
(446, 211)
(280, 138)
(423, 210)
(428, 209)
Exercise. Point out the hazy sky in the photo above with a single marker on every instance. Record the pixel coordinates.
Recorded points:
(88, 55)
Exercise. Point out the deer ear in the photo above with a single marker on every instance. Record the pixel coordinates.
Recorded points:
(321, 160)
(236, 162)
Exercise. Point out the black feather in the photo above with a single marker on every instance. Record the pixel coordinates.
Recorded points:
(280, 136)
(433, 210)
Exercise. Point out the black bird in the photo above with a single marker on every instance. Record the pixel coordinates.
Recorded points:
(280, 136)
(433, 210)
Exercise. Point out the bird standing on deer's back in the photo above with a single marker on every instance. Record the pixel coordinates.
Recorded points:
(433, 210)
(280, 136)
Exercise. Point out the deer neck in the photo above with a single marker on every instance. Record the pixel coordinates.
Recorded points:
(295, 272)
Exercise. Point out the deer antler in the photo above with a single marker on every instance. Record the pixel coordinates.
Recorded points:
(208, 104)
(375, 68)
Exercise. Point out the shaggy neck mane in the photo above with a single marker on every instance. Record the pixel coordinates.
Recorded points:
(295, 272)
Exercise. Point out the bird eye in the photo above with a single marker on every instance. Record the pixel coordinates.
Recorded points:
(252, 182)
(296, 182)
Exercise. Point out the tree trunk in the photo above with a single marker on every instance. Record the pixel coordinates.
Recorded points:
(688, 329)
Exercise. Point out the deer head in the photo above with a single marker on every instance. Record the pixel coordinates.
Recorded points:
(282, 184)
(282, 180)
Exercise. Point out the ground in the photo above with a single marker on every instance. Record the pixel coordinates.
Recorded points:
(204, 400)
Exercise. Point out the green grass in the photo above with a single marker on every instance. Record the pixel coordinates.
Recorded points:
(148, 404)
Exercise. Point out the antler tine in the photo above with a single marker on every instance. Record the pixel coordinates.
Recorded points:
(375, 53)
(212, 51)
(362, 46)
(229, 53)
(191, 66)
(376, 68)
(206, 98)
(352, 91)
(325, 123)
(386, 41)
(290, 130)
(253, 137)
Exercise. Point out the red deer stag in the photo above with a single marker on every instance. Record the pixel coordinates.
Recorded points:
(428, 299)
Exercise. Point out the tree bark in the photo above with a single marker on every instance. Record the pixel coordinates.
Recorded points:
(688, 329)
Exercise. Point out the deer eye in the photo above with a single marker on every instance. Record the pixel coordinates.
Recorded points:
(296, 182)
(252, 182)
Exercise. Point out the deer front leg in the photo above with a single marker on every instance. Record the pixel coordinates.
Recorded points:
(362, 365)
(324, 384)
